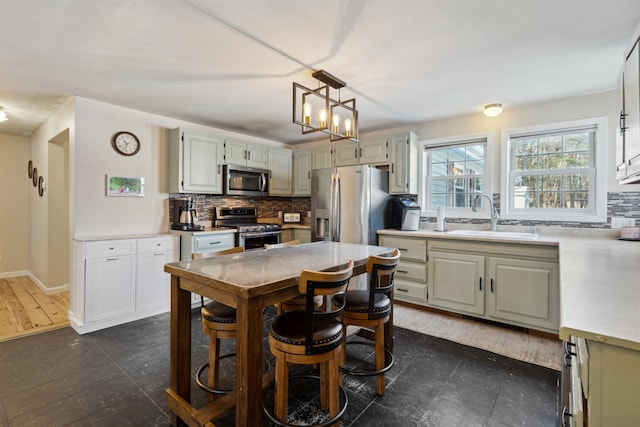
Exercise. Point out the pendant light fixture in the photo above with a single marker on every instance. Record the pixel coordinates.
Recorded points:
(492, 110)
(315, 110)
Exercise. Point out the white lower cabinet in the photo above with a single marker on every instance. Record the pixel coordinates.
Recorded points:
(410, 278)
(604, 384)
(153, 285)
(511, 283)
(117, 281)
(304, 235)
(455, 282)
(523, 291)
(109, 287)
(199, 241)
(516, 284)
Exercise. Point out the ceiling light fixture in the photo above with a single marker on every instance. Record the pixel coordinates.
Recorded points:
(315, 110)
(492, 110)
(3, 116)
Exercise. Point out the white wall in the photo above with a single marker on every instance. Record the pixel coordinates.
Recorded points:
(14, 203)
(99, 215)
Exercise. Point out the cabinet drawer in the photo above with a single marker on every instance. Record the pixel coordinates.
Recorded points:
(107, 248)
(410, 249)
(212, 242)
(411, 271)
(408, 290)
(158, 244)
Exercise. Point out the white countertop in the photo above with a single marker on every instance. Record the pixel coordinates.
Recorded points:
(599, 281)
(122, 237)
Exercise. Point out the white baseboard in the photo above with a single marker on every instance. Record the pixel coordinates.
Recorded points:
(34, 279)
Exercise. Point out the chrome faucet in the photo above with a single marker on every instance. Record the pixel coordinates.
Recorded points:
(495, 216)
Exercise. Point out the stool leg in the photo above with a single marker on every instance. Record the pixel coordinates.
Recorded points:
(380, 356)
(214, 360)
(343, 350)
(325, 380)
(334, 382)
(282, 387)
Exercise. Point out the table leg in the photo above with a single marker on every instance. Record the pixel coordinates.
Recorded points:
(180, 364)
(249, 362)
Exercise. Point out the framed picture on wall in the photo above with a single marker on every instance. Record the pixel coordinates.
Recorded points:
(120, 186)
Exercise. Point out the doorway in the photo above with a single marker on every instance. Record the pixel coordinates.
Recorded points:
(58, 239)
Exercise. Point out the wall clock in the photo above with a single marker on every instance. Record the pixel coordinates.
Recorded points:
(125, 143)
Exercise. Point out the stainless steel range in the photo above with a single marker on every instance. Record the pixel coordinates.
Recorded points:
(251, 233)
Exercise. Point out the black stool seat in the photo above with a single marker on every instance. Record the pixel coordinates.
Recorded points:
(214, 311)
(289, 328)
(357, 301)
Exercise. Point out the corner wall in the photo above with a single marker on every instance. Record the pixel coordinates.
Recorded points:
(14, 204)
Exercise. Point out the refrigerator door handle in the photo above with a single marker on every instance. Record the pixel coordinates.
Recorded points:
(338, 216)
(332, 211)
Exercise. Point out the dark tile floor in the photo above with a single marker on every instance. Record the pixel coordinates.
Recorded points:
(117, 377)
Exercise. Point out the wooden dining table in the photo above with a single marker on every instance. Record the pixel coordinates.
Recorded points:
(248, 281)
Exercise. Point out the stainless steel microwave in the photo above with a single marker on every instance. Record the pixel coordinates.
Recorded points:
(245, 181)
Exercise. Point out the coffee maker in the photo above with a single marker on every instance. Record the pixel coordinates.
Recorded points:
(184, 215)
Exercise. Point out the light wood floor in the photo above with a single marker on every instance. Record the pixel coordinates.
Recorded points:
(25, 309)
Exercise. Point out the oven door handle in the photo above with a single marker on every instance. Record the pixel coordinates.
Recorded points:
(259, 233)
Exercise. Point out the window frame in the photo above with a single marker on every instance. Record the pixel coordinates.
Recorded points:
(459, 140)
(597, 188)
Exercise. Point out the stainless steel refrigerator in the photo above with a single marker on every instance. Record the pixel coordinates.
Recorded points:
(348, 203)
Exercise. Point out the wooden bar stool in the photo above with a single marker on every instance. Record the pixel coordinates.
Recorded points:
(218, 322)
(308, 337)
(371, 308)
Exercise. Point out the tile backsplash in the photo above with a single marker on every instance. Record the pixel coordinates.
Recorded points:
(268, 207)
(620, 204)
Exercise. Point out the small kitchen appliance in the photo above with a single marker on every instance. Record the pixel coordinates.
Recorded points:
(184, 215)
(291, 217)
(405, 214)
(251, 234)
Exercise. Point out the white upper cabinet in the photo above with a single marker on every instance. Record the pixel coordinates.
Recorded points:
(321, 157)
(238, 152)
(403, 164)
(280, 180)
(373, 152)
(621, 164)
(632, 112)
(194, 162)
(302, 172)
(347, 153)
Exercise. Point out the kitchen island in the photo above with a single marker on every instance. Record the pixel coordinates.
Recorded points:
(248, 281)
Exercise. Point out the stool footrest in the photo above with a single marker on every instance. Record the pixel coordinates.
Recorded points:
(389, 357)
(206, 387)
(326, 423)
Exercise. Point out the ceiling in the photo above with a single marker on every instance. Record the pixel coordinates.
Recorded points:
(230, 64)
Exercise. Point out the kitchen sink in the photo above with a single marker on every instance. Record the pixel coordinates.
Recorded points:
(495, 234)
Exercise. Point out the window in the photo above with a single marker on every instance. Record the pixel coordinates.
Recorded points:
(454, 172)
(555, 172)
